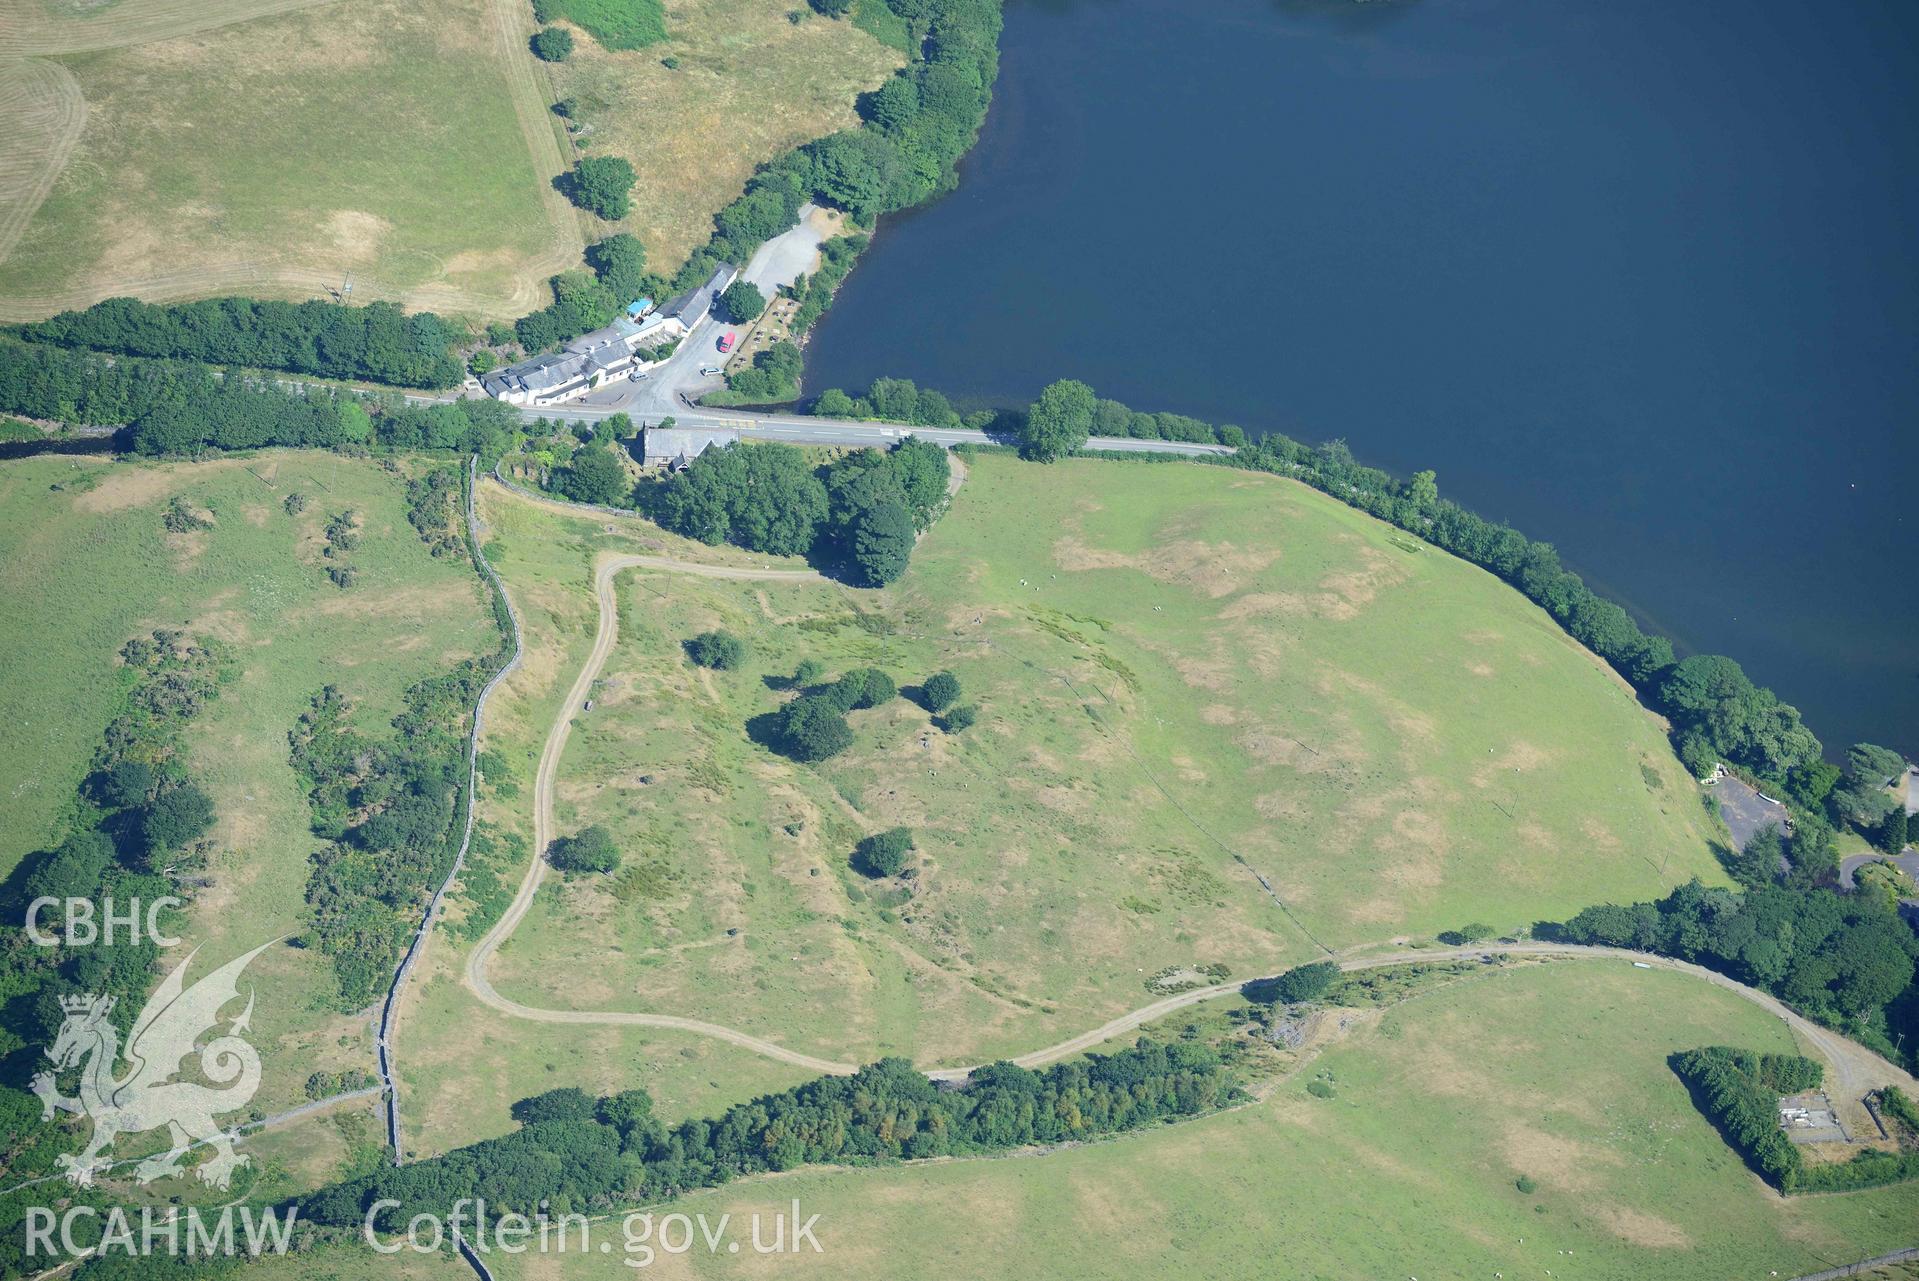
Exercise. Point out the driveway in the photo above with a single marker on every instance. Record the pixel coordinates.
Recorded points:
(791, 254)
(1909, 861)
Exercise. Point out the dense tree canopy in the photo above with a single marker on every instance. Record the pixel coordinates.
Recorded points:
(1059, 421)
(1829, 954)
(864, 514)
(743, 301)
(375, 343)
(761, 497)
(594, 475)
(887, 1111)
(882, 543)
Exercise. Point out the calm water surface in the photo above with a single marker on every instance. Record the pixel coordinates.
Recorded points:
(1640, 278)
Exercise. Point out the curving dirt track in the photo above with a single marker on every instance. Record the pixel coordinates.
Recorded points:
(605, 572)
(1855, 1069)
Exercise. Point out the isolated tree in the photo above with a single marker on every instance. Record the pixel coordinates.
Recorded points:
(553, 44)
(591, 849)
(1895, 831)
(720, 650)
(603, 185)
(884, 853)
(594, 476)
(1059, 421)
(743, 301)
(958, 718)
(813, 728)
(882, 543)
(942, 690)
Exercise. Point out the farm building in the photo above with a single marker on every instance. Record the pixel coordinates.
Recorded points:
(608, 352)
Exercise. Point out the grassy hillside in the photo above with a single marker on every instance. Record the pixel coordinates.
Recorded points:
(1556, 1074)
(1179, 668)
(88, 564)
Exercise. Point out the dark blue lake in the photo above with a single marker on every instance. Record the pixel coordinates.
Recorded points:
(1639, 278)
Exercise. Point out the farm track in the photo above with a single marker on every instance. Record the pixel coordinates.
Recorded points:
(1855, 1069)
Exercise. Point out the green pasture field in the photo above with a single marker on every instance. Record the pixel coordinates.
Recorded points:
(616, 24)
(1179, 668)
(86, 565)
(1556, 1074)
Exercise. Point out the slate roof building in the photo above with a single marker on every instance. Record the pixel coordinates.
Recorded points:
(675, 447)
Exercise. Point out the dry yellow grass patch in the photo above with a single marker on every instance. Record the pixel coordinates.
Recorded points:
(750, 86)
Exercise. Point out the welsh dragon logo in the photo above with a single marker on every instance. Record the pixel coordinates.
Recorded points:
(148, 1097)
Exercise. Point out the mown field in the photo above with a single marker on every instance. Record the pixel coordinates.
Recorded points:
(749, 84)
(273, 147)
(406, 144)
(86, 565)
(1179, 668)
(1555, 1074)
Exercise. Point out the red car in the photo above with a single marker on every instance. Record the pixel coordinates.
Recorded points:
(726, 341)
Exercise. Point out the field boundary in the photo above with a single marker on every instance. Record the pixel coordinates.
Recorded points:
(1864, 1265)
(389, 1011)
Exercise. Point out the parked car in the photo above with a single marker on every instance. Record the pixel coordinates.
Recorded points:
(709, 371)
(726, 340)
